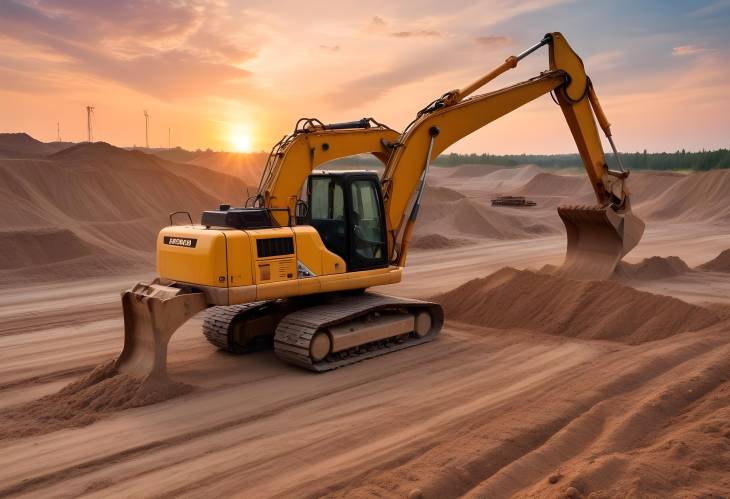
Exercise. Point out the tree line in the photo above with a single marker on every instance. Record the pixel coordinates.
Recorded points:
(679, 160)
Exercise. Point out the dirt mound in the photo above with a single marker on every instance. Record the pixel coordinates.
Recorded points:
(22, 248)
(550, 184)
(100, 199)
(82, 402)
(697, 197)
(437, 241)
(655, 267)
(519, 175)
(22, 145)
(441, 194)
(469, 171)
(647, 186)
(721, 263)
(606, 310)
(471, 218)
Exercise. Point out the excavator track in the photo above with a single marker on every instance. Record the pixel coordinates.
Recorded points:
(218, 322)
(296, 331)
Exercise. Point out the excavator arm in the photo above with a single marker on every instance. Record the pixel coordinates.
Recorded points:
(598, 236)
(311, 144)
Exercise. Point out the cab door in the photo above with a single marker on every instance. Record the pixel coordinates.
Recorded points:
(366, 227)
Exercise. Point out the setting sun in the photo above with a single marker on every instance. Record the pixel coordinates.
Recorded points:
(241, 141)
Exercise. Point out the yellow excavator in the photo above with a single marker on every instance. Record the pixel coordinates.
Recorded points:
(292, 266)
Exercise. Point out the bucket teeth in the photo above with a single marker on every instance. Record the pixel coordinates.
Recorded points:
(152, 314)
(598, 237)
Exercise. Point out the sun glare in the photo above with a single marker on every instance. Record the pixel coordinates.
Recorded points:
(241, 141)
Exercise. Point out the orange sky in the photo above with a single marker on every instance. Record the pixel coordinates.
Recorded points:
(218, 71)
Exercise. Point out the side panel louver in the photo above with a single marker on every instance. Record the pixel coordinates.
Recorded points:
(275, 246)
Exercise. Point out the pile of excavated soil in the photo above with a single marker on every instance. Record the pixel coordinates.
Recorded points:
(435, 195)
(550, 184)
(21, 248)
(513, 299)
(700, 197)
(22, 145)
(96, 208)
(469, 171)
(721, 263)
(471, 218)
(655, 267)
(437, 241)
(102, 391)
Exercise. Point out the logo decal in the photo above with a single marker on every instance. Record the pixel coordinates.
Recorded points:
(185, 242)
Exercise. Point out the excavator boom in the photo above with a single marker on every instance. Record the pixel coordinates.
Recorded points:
(598, 236)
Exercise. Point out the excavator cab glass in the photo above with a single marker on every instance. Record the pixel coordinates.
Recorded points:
(347, 210)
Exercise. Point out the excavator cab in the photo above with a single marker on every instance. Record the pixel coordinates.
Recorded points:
(347, 210)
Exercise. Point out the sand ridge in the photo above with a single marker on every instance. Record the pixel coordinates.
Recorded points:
(605, 310)
(721, 263)
(655, 267)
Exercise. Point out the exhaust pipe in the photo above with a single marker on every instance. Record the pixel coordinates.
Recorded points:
(152, 313)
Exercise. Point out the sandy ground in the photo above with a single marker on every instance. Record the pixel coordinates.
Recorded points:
(477, 412)
(480, 412)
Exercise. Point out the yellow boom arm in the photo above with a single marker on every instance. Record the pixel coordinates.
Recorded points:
(454, 116)
(311, 145)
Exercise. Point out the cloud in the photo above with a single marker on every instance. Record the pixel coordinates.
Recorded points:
(161, 48)
(605, 60)
(378, 21)
(415, 33)
(689, 50)
(492, 41)
(711, 9)
(330, 48)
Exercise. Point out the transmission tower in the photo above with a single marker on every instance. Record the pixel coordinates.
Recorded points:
(89, 115)
(147, 129)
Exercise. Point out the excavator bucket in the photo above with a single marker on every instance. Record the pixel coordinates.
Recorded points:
(152, 313)
(598, 237)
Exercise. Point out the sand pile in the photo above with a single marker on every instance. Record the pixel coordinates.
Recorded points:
(22, 145)
(437, 241)
(472, 218)
(698, 197)
(550, 184)
(469, 171)
(606, 310)
(721, 263)
(82, 402)
(436, 195)
(99, 205)
(21, 248)
(520, 175)
(655, 267)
